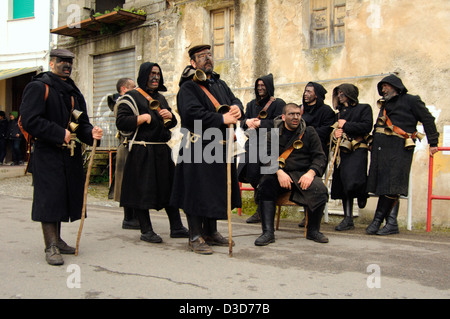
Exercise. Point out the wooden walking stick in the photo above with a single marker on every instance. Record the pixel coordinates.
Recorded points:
(86, 185)
(229, 156)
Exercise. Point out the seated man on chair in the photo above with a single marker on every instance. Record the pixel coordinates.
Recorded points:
(301, 165)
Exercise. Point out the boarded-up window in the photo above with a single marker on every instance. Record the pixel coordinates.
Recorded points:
(222, 33)
(327, 22)
(23, 9)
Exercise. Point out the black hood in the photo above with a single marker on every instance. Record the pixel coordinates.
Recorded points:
(268, 82)
(349, 90)
(112, 99)
(144, 72)
(395, 81)
(320, 92)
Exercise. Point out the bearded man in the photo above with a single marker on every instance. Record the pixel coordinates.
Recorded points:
(200, 186)
(391, 159)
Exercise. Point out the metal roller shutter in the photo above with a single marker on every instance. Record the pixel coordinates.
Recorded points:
(108, 68)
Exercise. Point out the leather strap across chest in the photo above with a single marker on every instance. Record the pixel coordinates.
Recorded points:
(266, 106)
(210, 96)
(288, 152)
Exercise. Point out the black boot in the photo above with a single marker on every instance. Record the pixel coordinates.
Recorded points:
(362, 201)
(267, 210)
(52, 253)
(255, 218)
(63, 247)
(391, 226)
(347, 222)
(313, 225)
(130, 220)
(384, 206)
(196, 242)
(147, 233)
(303, 222)
(177, 230)
(211, 235)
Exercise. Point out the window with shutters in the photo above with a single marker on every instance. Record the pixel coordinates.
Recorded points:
(327, 23)
(22, 9)
(222, 33)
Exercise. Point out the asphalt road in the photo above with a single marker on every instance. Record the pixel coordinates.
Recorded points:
(115, 263)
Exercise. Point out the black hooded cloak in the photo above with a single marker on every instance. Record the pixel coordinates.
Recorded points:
(320, 116)
(148, 172)
(350, 177)
(250, 172)
(390, 163)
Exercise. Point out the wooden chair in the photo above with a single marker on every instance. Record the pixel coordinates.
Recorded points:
(283, 200)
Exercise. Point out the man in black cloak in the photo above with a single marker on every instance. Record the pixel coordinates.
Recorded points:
(149, 168)
(391, 160)
(47, 108)
(259, 113)
(355, 122)
(200, 186)
(318, 115)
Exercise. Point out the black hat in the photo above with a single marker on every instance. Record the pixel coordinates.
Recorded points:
(198, 48)
(62, 53)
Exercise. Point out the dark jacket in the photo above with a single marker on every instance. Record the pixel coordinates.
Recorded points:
(13, 130)
(390, 163)
(320, 116)
(148, 172)
(406, 110)
(300, 161)
(350, 176)
(256, 105)
(3, 128)
(58, 178)
(250, 172)
(200, 187)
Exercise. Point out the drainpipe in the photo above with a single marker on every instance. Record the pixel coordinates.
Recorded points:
(156, 23)
(53, 14)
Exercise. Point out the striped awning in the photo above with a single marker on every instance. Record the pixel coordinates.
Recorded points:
(10, 73)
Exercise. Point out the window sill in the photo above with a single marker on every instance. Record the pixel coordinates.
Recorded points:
(331, 46)
(20, 19)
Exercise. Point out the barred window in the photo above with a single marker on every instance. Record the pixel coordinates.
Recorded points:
(327, 22)
(222, 33)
